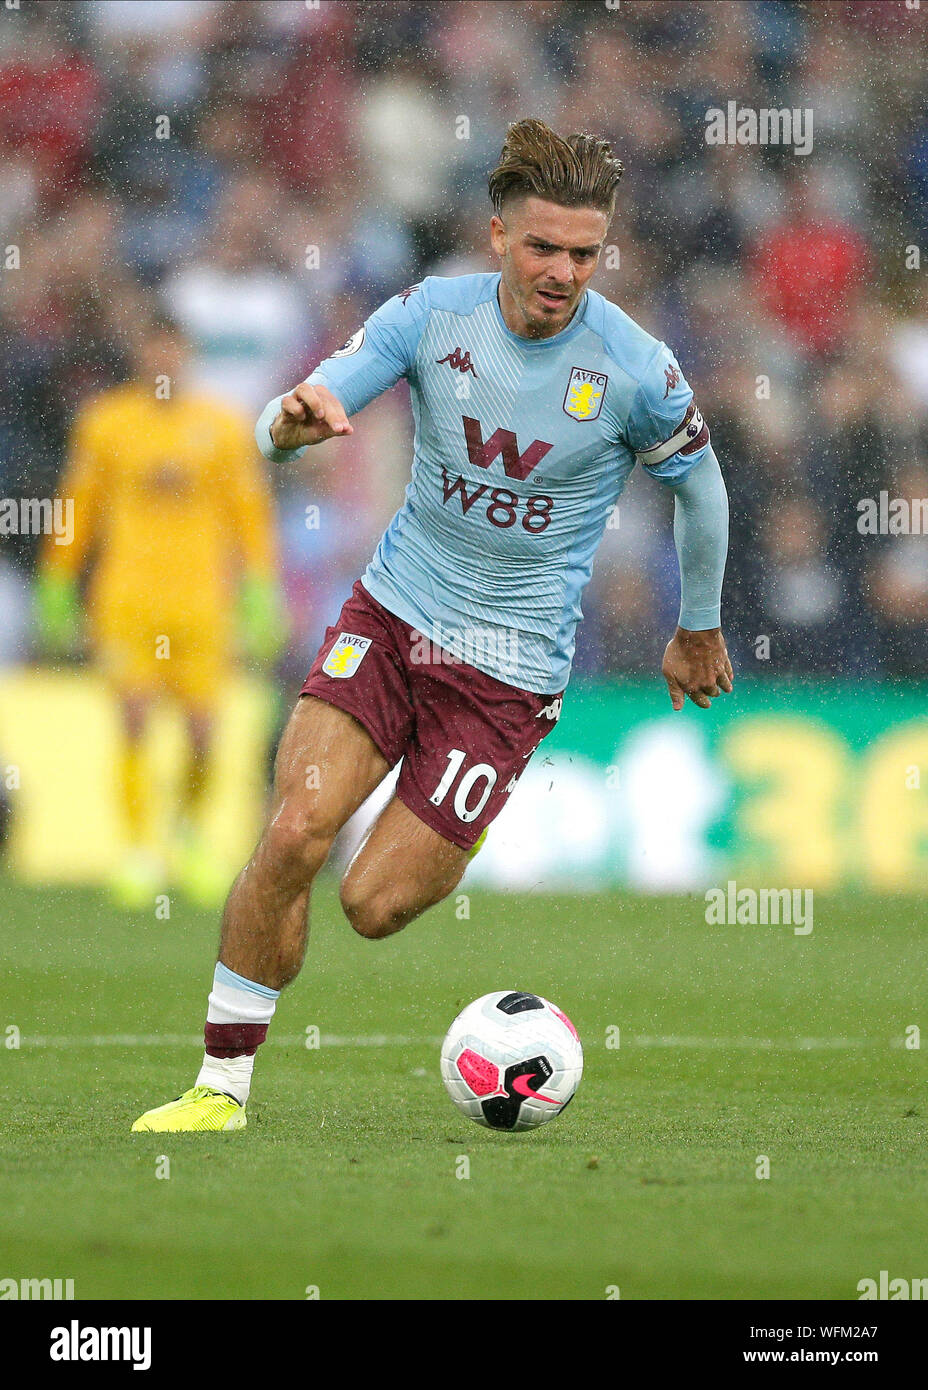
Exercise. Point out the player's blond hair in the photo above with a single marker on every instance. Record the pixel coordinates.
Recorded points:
(574, 171)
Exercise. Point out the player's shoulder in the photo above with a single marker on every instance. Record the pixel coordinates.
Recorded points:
(629, 346)
(108, 406)
(459, 294)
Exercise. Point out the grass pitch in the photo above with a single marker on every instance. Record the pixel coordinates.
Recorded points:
(735, 1043)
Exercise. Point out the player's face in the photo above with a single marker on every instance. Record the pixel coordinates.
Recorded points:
(162, 354)
(547, 254)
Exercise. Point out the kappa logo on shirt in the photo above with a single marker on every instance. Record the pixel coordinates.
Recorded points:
(552, 711)
(672, 378)
(346, 656)
(458, 361)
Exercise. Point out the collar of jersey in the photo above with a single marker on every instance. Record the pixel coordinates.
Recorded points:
(539, 344)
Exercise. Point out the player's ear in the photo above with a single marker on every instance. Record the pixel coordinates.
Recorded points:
(498, 237)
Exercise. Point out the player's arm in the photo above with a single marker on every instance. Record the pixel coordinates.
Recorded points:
(696, 660)
(381, 352)
(671, 442)
(57, 599)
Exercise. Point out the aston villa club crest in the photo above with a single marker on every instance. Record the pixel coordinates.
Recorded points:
(346, 656)
(583, 399)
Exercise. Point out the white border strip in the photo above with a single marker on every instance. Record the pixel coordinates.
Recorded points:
(684, 1042)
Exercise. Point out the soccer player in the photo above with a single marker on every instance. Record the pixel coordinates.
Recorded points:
(173, 519)
(534, 398)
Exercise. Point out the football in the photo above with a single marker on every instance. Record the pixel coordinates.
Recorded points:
(511, 1060)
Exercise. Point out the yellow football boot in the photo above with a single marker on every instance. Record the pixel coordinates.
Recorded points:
(200, 1108)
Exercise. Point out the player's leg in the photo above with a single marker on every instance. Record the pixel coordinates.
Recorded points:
(352, 723)
(470, 742)
(402, 868)
(199, 672)
(327, 765)
(140, 874)
(134, 709)
(124, 653)
(200, 723)
(196, 866)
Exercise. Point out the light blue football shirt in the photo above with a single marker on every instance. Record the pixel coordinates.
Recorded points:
(522, 449)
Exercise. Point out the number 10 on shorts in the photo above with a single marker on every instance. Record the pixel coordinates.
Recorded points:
(465, 787)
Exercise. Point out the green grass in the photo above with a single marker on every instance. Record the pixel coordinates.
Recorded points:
(345, 1178)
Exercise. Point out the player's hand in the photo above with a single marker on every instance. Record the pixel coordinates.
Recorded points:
(696, 664)
(308, 415)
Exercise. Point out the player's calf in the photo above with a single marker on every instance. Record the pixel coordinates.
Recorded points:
(375, 915)
(326, 766)
(264, 923)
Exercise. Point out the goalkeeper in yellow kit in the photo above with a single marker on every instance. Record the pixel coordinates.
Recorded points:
(173, 531)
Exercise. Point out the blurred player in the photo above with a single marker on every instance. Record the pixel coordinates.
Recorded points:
(534, 398)
(173, 524)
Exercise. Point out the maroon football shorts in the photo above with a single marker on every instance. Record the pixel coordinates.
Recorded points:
(464, 737)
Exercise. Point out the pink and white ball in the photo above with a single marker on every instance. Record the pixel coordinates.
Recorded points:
(511, 1060)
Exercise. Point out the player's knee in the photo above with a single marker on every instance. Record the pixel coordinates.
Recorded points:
(297, 841)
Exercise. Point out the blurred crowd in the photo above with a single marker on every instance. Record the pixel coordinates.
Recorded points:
(268, 173)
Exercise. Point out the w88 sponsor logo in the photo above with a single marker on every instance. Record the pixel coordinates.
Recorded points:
(503, 507)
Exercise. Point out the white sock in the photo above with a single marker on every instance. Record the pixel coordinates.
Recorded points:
(235, 1004)
(231, 1075)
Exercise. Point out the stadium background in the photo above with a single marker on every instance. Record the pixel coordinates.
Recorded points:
(710, 1049)
(320, 158)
